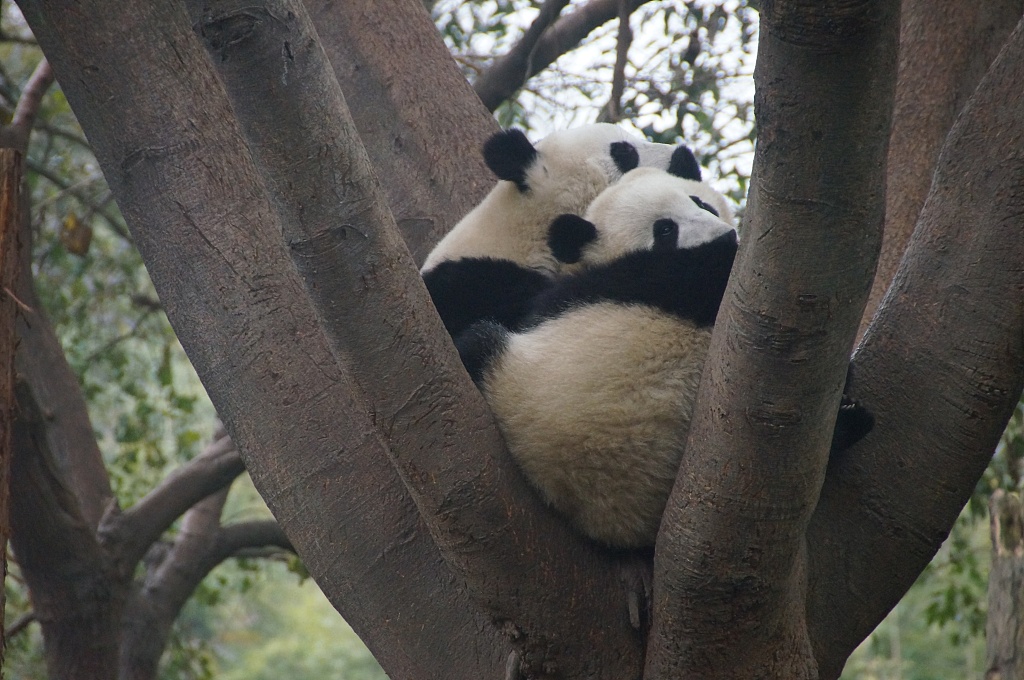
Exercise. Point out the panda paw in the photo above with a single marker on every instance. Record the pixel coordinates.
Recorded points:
(853, 422)
(479, 345)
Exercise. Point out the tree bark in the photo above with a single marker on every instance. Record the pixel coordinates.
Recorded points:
(945, 49)
(1004, 631)
(189, 191)
(942, 367)
(417, 116)
(77, 594)
(731, 543)
(10, 221)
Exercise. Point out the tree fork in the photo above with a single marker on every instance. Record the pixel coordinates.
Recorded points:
(407, 380)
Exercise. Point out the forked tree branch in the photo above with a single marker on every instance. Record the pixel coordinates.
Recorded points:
(507, 74)
(942, 365)
(187, 187)
(360, 278)
(130, 534)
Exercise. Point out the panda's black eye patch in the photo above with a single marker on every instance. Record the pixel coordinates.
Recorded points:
(705, 206)
(666, 234)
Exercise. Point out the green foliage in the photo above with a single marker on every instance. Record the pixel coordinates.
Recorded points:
(286, 628)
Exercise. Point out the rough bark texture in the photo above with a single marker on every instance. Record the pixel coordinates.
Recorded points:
(942, 366)
(416, 114)
(945, 49)
(1004, 632)
(77, 594)
(187, 187)
(731, 543)
(408, 386)
(10, 220)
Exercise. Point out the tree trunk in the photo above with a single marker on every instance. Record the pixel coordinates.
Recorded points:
(10, 223)
(1004, 631)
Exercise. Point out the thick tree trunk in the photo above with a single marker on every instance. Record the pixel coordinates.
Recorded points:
(77, 594)
(416, 115)
(10, 225)
(1004, 632)
(942, 366)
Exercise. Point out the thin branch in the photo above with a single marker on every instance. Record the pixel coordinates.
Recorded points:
(509, 72)
(15, 135)
(85, 199)
(21, 623)
(139, 527)
(612, 111)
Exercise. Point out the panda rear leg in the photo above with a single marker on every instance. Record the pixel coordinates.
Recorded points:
(480, 345)
(854, 420)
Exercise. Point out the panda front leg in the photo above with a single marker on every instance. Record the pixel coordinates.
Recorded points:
(480, 345)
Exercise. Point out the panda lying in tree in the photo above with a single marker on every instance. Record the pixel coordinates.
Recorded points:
(496, 258)
(594, 395)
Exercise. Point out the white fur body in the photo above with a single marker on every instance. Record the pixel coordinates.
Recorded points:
(571, 169)
(598, 423)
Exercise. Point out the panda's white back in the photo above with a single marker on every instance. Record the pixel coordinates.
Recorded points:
(595, 407)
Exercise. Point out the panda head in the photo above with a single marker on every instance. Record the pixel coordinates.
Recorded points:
(563, 173)
(648, 209)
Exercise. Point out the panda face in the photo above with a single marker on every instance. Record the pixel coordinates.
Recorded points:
(648, 209)
(563, 173)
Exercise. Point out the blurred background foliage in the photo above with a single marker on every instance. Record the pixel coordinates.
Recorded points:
(688, 78)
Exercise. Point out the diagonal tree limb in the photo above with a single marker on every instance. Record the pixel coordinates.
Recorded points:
(508, 73)
(186, 185)
(424, 410)
(945, 49)
(130, 534)
(731, 545)
(515, 66)
(417, 116)
(942, 366)
(15, 134)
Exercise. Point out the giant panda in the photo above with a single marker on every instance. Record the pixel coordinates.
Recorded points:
(496, 258)
(594, 395)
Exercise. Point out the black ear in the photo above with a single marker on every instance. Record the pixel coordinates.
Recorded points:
(684, 164)
(625, 156)
(567, 236)
(509, 154)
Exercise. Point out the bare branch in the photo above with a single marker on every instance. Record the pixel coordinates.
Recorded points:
(612, 111)
(138, 528)
(15, 134)
(514, 66)
(942, 366)
(21, 623)
(508, 73)
(75, 190)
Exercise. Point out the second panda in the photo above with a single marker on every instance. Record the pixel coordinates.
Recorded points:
(594, 398)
